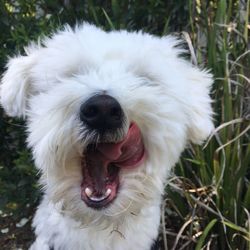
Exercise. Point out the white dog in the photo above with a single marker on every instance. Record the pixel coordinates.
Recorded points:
(108, 115)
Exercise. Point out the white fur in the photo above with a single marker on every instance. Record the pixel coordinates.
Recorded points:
(165, 95)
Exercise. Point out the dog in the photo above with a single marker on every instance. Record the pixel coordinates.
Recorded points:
(108, 115)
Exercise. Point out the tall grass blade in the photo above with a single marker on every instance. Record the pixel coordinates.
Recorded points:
(204, 234)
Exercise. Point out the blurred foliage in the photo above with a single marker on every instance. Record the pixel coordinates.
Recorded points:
(208, 202)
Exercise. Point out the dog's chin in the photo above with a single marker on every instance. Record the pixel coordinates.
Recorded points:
(101, 164)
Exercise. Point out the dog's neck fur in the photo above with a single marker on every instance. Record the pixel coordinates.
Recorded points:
(62, 232)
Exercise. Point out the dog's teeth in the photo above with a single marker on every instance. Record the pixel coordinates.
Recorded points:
(108, 192)
(97, 198)
(94, 198)
(88, 192)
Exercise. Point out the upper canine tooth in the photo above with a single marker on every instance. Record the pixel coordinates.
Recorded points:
(108, 192)
(88, 192)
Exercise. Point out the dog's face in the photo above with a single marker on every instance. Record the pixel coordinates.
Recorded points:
(108, 115)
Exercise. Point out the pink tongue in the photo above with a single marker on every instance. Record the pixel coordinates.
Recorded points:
(129, 153)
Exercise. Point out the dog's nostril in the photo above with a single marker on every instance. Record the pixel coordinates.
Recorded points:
(115, 112)
(102, 112)
(90, 112)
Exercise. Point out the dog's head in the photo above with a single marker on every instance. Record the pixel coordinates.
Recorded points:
(108, 115)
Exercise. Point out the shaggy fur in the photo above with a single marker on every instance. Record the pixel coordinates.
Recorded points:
(163, 94)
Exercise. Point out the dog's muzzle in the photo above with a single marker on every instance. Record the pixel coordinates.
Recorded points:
(103, 159)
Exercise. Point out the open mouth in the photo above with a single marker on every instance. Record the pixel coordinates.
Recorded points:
(102, 163)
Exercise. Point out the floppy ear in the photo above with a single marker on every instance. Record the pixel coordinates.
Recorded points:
(200, 113)
(15, 86)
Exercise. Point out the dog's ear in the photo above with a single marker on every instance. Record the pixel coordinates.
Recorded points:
(15, 86)
(200, 113)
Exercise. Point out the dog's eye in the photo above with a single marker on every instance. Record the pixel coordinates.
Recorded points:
(148, 81)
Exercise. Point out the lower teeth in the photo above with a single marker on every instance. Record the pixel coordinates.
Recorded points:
(89, 193)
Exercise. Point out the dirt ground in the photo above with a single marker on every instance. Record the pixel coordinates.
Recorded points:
(14, 236)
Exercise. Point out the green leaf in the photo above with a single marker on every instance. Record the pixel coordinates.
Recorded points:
(237, 228)
(204, 234)
(108, 19)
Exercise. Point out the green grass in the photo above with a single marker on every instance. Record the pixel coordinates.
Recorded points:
(212, 191)
(207, 203)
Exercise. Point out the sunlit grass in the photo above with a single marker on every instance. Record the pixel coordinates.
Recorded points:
(211, 194)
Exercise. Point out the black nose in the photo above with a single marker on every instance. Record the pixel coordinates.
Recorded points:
(102, 112)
